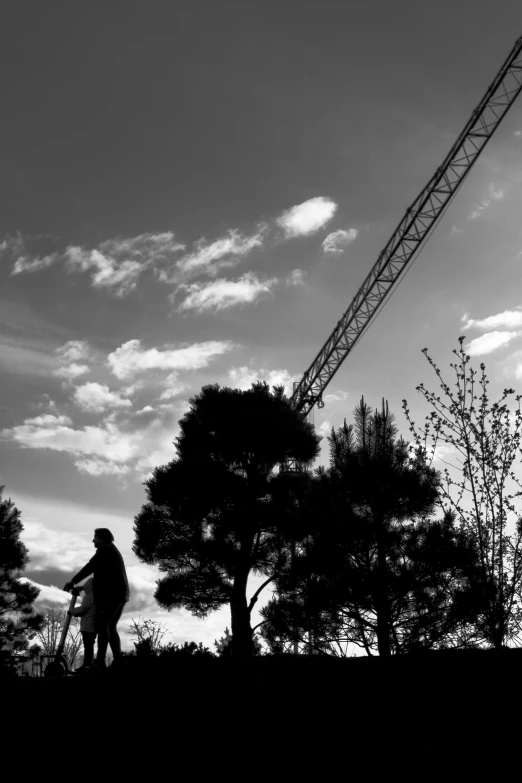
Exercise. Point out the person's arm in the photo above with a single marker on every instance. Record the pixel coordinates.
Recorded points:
(79, 611)
(87, 570)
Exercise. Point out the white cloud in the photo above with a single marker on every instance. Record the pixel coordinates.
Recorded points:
(244, 377)
(13, 245)
(335, 396)
(338, 240)
(509, 319)
(324, 429)
(174, 387)
(130, 359)
(493, 194)
(72, 372)
(73, 351)
(96, 398)
(111, 448)
(122, 277)
(296, 277)
(118, 263)
(222, 294)
(517, 133)
(489, 342)
(210, 257)
(57, 434)
(34, 264)
(308, 217)
(101, 467)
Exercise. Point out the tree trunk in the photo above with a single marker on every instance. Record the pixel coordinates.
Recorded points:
(381, 594)
(240, 613)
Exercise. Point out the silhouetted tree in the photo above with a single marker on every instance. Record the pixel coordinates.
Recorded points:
(211, 519)
(48, 636)
(149, 635)
(185, 650)
(487, 438)
(374, 570)
(224, 644)
(18, 620)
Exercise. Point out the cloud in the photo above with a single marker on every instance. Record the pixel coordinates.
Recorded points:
(72, 371)
(74, 350)
(324, 429)
(517, 133)
(493, 194)
(116, 264)
(56, 433)
(338, 240)
(100, 467)
(296, 277)
(111, 448)
(95, 398)
(489, 342)
(509, 319)
(222, 294)
(34, 264)
(244, 377)
(308, 217)
(70, 353)
(14, 246)
(130, 359)
(121, 277)
(174, 387)
(208, 258)
(336, 396)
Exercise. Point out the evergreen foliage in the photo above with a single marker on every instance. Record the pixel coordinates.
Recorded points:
(374, 569)
(212, 517)
(18, 620)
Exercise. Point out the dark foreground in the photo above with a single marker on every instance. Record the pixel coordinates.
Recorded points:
(412, 714)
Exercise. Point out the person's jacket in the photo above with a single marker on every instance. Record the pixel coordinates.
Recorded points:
(87, 611)
(110, 578)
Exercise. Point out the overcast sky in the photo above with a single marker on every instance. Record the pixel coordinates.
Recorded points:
(193, 193)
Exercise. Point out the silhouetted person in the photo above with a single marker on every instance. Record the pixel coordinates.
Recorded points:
(110, 591)
(87, 612)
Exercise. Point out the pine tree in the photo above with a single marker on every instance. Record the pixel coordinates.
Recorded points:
(374, 568)
(18, 620)
(211, 520)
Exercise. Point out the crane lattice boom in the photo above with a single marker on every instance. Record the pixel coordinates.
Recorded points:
(419, 220)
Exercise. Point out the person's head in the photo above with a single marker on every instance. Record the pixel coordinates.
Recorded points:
(87, 586)
(102, 536)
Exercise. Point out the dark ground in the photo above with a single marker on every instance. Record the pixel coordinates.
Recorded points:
(435, 713)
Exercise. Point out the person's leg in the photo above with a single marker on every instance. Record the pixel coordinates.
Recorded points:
(88, 647)
(114, 637)
(102, 627)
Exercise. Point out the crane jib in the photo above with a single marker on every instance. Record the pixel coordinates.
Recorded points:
(418, 222)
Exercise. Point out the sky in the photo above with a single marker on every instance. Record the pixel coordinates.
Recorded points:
(193, 193)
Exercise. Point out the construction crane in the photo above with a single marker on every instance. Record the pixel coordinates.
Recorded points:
(410, 235)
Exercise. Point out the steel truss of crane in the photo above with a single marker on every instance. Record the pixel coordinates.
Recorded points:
(413, 230)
